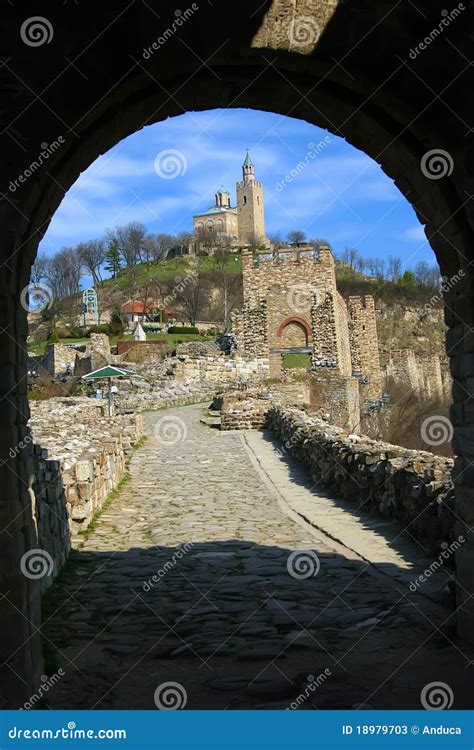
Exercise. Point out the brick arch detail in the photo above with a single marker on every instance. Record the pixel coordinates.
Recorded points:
(294, 319)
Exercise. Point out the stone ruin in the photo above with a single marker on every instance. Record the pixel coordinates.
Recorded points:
(79, 358)
(292, 305)
(421, 374)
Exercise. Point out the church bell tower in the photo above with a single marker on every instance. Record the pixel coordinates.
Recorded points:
(250, 206)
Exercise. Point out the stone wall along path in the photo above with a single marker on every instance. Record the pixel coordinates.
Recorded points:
(194, 575)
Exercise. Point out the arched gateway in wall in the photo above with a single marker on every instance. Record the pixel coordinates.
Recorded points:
(98, 74)
(294, 332)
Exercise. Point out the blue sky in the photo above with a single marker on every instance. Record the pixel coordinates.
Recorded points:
(341, 195)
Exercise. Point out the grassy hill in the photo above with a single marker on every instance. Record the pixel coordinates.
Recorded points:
(167, 270)
(402, 321)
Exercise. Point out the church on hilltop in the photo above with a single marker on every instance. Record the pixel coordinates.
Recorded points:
(235, 226)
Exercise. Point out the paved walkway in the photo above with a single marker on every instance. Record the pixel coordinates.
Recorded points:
(200, 574)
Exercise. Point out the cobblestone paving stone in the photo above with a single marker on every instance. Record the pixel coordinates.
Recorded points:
(194, 575)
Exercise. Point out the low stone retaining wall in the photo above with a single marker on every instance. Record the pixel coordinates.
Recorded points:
(246, 414)
(413, 487)
(80, 456)
(73, 475)
(221, 369)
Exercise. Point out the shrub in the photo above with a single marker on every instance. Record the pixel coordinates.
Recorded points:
(54, 338)
(401, 421)
(103, 328)
(212, 332)
(75, 333)
(183, 329)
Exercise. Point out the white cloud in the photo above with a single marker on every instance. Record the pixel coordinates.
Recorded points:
(414, 234)
(342, 194)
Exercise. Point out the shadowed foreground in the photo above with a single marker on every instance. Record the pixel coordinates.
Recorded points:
(189, 577)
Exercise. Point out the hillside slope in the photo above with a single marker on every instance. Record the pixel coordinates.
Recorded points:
(407, 318)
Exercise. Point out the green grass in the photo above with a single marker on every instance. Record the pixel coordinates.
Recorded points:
(140, 443)
(168, 269)
(208, 263)
(85, 533)
(176, 338)
(40, 347)
(296, 360)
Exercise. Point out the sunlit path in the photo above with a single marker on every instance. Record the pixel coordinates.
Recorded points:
(189, 577)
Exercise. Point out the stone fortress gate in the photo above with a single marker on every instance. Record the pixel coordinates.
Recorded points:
(292, 305)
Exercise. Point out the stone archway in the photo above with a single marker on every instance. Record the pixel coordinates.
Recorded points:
(408, 112)
(294, 332)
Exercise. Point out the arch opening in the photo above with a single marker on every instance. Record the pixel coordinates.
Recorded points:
(99, 116)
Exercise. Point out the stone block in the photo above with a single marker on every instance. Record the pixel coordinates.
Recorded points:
(83, 471)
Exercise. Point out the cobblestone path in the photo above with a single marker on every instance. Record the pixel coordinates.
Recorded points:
(196, 574)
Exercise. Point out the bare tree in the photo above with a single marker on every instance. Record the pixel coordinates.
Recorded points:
(39, 268)
(228, 283)
(191, 297)
(92, 256)
(296, 236)
(64, 272)
(207, 239)
(351, 256)
(376, 267)
(130, 239)
(183, 239)
(394, 268)
(165, 242)
(426, 275)
(276, 240)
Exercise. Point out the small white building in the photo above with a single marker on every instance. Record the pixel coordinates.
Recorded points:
(139, 334)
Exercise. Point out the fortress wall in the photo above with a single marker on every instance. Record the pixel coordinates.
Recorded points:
(364, 343)
(402, 367)
(411, 486)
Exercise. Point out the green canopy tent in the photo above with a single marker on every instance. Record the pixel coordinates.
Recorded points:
(109, 372)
